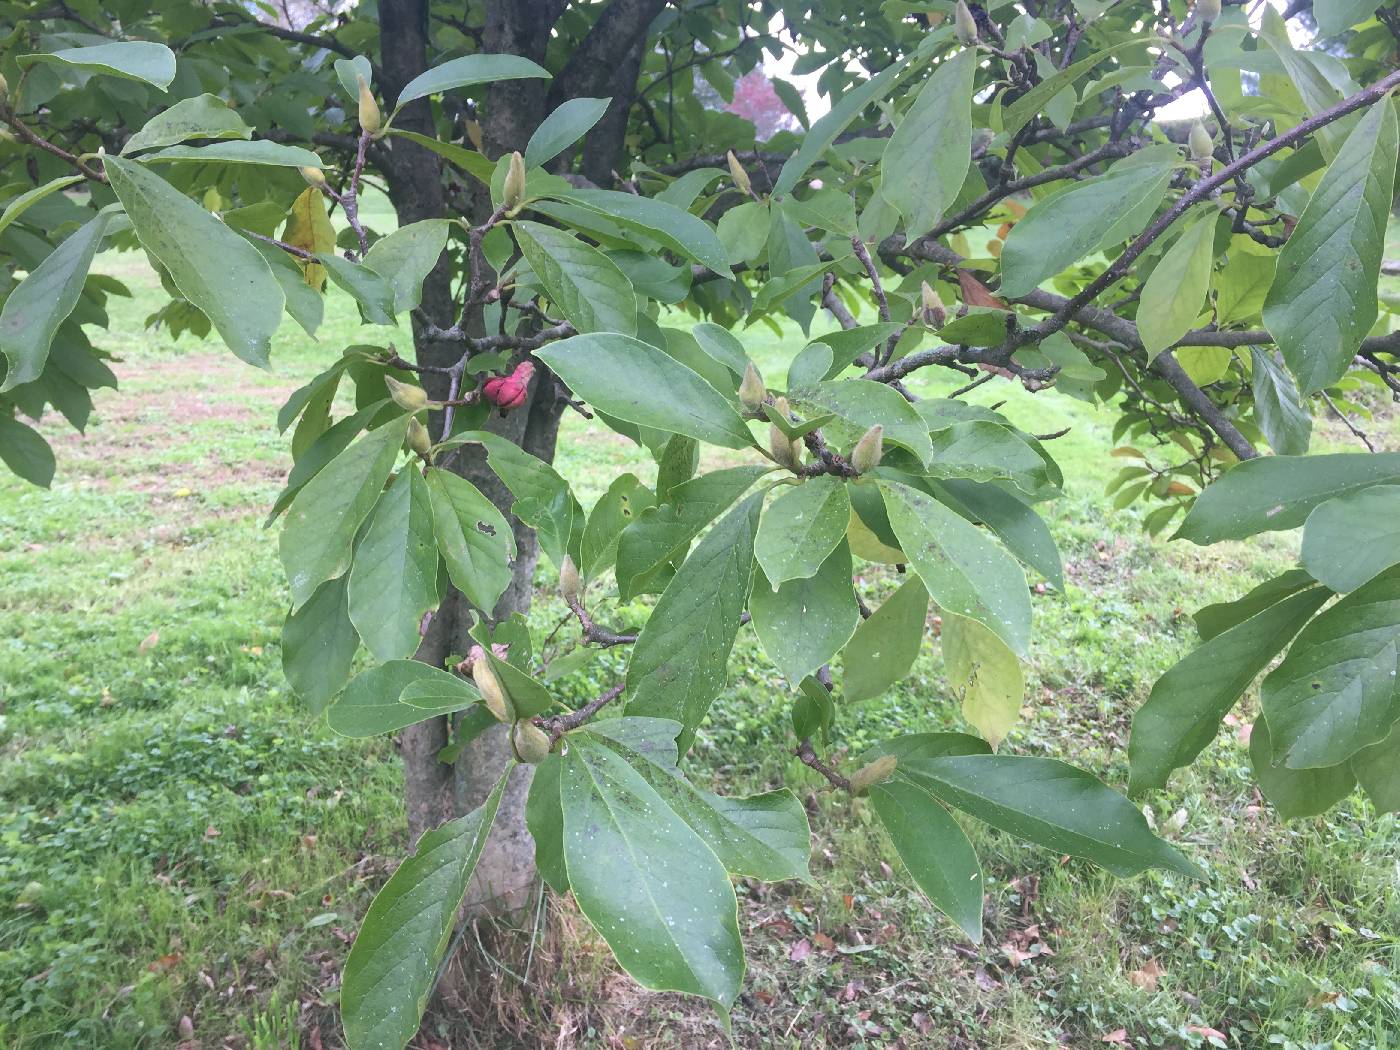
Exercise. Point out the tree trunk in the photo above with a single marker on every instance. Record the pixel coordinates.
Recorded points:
(434, 791)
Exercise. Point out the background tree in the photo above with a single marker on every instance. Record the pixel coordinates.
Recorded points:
(988, 197)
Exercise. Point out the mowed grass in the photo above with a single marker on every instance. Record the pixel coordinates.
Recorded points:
(178, 839)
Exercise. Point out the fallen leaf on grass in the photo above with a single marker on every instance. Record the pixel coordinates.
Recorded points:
(1148, 977)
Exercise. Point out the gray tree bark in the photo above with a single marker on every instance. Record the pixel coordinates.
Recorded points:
(607, 63)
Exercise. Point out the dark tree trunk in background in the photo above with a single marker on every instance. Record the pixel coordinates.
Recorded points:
(605, 64)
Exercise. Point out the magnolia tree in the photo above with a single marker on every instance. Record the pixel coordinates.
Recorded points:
(988, 200)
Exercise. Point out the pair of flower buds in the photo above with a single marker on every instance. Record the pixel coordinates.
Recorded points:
(529, 742)
(787, 451)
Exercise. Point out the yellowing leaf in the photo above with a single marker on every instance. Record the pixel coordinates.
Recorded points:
(309, 228)
(984, 670)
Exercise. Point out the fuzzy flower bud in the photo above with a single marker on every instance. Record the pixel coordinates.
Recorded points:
(751, 389)
(1207, 10)
(964, 25)
(493, 694)
(370, 118)
(877, 772)
(510, 391)
(570, 583)
(935, 314)
(865, 456)
(418, 437)
(314, 177)
(531, 743)
(1202, 145)
(785, 451)
(739, 175)
(514, 190)
(407, 396)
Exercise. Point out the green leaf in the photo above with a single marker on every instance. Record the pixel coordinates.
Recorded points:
(803, 623)
(761, 837)
(203, 116)
(1176, 288)
(469, 71)
(305, 304)
(25, 452)
(1323, 299)
(1377, 770)
(1276, 493)
(585, 284)
(979, 326)
(618, 508)
(325, 448)
(966, 573)
(1183, 713)
(1295, 792)
(562, 128)
(44, 299)
(405, 258)
(931, 149)
(849, 343)
(474, 538)
(1052, 804)
(543, 499)
(1018, 526)
(801, 527)
(939, 857)
(1316, 91)
(317, 540)
(723, 345)
(1353, 538)
(25, 200)
(1221, 616)
(678, 665)
(349, 70)
(980, 450)
(645, 880)
(390, 971)
(259, 151)
(1279, 411)
(813, 711)
(674, 227)
(1242, 283)
(860, 404)
(682, 192)
(438, 692)
(478, 165)
(986, 674)
(885, 645)
(394, 578)
(1337, 689)
(372, 704)
(369, 289)
(823, 133)
(1337, 16)
(212, 266)
(638, 383)
(660, 532)
(318, 645)
(141, 60)
(1084, 217)
(544, 817)
(914, 746)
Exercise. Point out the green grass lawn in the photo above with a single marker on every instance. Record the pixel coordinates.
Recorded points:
(178, 839)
